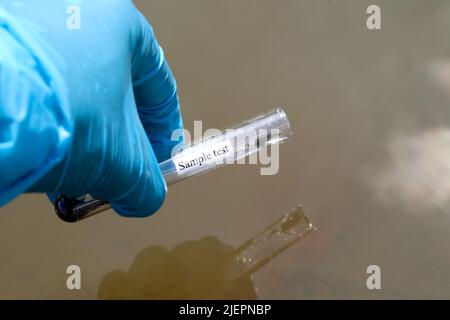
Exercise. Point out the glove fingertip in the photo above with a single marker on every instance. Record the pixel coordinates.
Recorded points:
(144, 203)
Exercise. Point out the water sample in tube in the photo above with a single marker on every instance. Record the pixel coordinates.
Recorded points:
(234, 144)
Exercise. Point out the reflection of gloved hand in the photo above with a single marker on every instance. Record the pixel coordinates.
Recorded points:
(107, 134)
(192, 270)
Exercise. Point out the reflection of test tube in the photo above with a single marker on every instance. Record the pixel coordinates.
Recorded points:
(258, 251)
(234, 144)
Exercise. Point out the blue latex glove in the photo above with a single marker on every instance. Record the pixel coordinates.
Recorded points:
(87, 110)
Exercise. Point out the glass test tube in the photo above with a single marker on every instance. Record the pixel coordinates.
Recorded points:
(231, 146)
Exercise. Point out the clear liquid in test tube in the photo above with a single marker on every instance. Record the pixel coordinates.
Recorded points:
(232, 145)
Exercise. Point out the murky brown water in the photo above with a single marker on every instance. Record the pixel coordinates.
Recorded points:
(207, 268)
(368, 162)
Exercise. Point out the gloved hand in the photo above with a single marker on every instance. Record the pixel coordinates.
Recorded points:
(84, 110)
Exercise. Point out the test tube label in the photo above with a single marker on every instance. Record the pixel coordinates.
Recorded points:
(200, 158)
